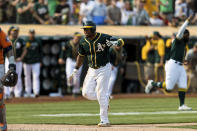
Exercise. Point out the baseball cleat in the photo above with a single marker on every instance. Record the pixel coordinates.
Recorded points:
(184, 108)
(102, 124)
(148, 86)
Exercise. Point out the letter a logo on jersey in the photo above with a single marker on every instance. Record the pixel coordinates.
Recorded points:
(100, 48)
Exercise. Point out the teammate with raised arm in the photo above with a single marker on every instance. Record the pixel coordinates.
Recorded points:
(175, 72)
(96, 46)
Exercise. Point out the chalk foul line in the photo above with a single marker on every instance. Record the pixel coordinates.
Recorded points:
(119, 113)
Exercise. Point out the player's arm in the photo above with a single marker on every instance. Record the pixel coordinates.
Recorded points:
(7, 50)
(183, 27)
(115, 41)
(79, 61)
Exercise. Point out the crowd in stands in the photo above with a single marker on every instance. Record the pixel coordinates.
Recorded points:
(102, 12)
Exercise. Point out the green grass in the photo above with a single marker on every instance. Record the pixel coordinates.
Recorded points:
(187, 127)
(24, 113)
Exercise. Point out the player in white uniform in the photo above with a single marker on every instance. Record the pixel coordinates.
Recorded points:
(69, 51)
(117, 60)
(96, 47)
(19, 50)
(175, 72)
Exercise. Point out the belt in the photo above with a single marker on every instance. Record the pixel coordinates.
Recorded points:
(177, 62)
(97, 67)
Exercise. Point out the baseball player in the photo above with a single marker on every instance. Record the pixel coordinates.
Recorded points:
(95, 46)
(175, 72)
(19, 50)
(32, 62)
(70, 51)
(117, 60)
(6, 50)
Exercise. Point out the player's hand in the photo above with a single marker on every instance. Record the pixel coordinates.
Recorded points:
(60, 61)
(19, 59)
(70, 79)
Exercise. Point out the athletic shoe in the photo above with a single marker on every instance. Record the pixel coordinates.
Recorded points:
(102, 124)
(184, 108)
(148, 86)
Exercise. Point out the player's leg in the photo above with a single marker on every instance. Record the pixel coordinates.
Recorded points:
(112, 79)
(3, 123)
(103, 93)
(28, 84)
(69, 69)
(6, 89)
(18, 88)
(76, 82)
(36, 78)
(89, 86)
(182, 84)
(172, 75)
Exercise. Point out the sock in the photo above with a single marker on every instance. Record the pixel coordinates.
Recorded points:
(182, 97)
(157, 84)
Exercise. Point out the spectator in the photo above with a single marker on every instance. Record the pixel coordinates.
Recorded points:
(11, 11)
(41, 13)
(85, 10)
(180, 9)
(2, 11)
(75, 13)
(142, 17)
(127, 15)
(99, 13)
(52, 6)
(24, 12)
(167, 8)
(62, 12)
(155, 20)
(151, 6)
(191, 61)
(32, 64)
(113, 14)
(120, 4)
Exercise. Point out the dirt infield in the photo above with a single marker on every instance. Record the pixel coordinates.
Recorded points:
(145, 127)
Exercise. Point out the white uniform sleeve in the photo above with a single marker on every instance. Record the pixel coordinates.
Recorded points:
(181, 30)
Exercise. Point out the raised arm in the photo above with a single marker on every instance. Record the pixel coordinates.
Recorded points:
(183, 27)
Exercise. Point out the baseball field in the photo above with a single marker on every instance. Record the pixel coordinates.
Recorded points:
(126, 113)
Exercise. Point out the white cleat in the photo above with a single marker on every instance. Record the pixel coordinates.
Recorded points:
(102, 124)
(148, 86)
(184, 108)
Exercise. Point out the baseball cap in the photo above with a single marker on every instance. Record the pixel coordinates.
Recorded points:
(77, 34)
(14, 28)
(31, 31)
(156, 33)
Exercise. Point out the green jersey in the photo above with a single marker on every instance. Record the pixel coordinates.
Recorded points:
(69, 49)
(25, 17)
(34, 52)
(178, 50)
(96, 50)
(117, 57)
(18, 45)
(41, 11)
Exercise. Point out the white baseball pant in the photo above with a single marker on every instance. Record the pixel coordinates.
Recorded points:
(175, 74)
(35, 70)
(112, 80)
(70, 66)
(95, 87)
